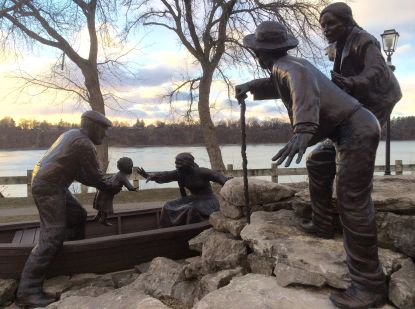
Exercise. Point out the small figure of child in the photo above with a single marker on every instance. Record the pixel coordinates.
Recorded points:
(103, 201)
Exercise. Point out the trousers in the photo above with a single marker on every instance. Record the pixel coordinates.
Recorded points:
(62, 217)
(355, 143)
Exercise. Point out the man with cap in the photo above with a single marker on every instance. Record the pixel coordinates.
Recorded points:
(72, 157)
(318, 109)
(360, 70)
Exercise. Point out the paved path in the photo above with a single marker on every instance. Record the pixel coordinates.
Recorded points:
(32, 210)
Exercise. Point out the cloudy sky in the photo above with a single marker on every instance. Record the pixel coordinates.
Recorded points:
(159, 61)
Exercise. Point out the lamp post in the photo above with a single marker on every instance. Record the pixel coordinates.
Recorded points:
(389, 40)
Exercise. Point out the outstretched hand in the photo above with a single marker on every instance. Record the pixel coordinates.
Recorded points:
(297, 145)
(143, 173)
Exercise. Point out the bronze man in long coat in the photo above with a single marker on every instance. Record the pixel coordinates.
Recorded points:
(72, 157)
(319, 109)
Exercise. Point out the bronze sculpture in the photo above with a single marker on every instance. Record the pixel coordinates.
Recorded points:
(103, 200)
(72, 157)
(193, 208)
(318, 109)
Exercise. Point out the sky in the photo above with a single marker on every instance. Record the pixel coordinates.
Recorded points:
(159, 61)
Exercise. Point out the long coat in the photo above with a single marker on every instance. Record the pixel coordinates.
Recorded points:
(314, 103)
(373, 82)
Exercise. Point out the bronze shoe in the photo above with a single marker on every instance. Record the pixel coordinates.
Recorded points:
(35, 300)
(309, 227)
(354, 298)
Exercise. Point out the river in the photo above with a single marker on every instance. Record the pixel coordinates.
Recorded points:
(17, 162)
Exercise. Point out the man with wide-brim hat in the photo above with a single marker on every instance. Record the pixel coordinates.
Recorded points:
(318, 109)
(72, 157)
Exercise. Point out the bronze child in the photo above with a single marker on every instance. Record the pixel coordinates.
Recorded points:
(103, 201)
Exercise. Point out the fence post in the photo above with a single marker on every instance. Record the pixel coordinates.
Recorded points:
(136, 181)
(398, 167)
(274, 172)
(84, 189)
(29, 182)
(229, 170)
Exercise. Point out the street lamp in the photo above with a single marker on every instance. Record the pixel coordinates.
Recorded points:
(389, 40)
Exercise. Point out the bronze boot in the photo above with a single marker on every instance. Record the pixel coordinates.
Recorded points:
(354, 298)
(35, 300)
(309, 227)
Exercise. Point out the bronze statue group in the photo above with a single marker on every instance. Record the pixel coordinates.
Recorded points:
(344, 114)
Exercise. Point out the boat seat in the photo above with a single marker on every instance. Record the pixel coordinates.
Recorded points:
(26, 236)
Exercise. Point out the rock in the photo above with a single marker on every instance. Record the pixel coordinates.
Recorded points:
(402, 286)
(261, 264)
(260, 191)
(300, 258)
(259, 291)
(212, 282)
(394, 194)
(126, 298)
(91, 291)
(57, 285)
(221, 251)
(89, 279)
(165, 278)
(197, 242)
(194, 268)
(229, 210)
(123, 278)
(223, 224)
(7, 289)
(396, 232)
(142, 268)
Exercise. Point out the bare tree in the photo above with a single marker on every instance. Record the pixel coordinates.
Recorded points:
(59, 24)
(212, 31)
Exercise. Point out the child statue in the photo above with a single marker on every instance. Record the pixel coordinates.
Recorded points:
(103, 201)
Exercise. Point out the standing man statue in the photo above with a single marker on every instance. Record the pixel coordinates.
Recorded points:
(360, 70)
(72, 157)
(318, 109)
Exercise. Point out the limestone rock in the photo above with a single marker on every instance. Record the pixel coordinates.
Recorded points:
(260, 191)
(89, 279)
(229, 210)
(123, 278)
(197, 242)
(259, 291)
(402, 286)
(394, 194)
(126, 298)
(165, 278)
(91, 291)
(194, 268)
(261, 264)
(300, 258)
(57, 285)
(142, 268)
(7, 289)
(212, 282)
(396, 232)
(223, 224)
(221, 251)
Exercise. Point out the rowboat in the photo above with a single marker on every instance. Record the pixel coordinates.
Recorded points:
(133, 238)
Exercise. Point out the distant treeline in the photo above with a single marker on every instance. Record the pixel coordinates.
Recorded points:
(35, 134)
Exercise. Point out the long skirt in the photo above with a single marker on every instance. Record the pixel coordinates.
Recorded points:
(188, 209)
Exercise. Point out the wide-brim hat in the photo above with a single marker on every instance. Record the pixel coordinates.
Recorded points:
(270, 35)
(97, 117)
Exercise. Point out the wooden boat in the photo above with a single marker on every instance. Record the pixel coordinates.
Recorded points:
(133, 238)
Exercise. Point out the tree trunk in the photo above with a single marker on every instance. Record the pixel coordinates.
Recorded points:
(208, 129)
(96, 101)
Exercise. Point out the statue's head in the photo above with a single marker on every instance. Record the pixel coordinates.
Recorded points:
(185, 161)
(337, 20)
(95, 125)
(125, 165)
(271, 39)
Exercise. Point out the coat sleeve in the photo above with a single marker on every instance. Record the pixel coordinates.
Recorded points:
(299, 82)
(263, 89)
(212, 175)
(164, 177)
(89, 173)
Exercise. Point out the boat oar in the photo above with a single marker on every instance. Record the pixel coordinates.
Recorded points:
(244, 159)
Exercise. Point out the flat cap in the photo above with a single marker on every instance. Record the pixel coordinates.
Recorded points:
(98, 118)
